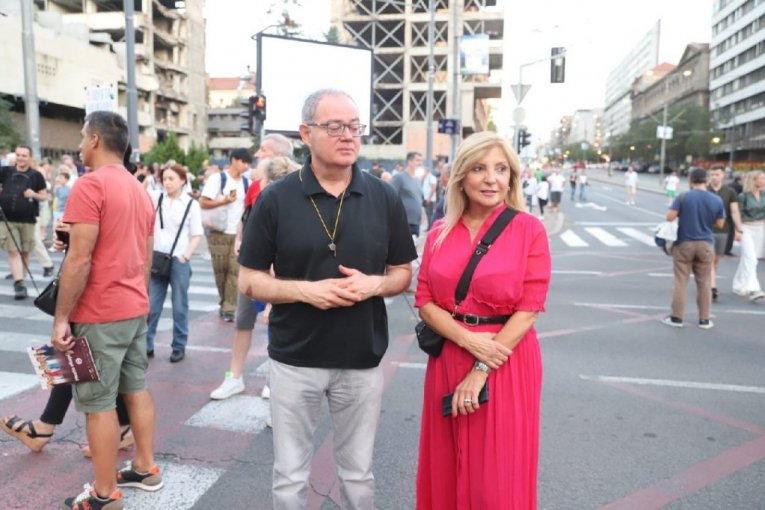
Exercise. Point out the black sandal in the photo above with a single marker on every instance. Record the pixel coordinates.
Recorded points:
(34, 440)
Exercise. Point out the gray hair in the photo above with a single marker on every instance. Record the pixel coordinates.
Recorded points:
(277, 167)
(312, 102)
(281, 144)
(111, 127)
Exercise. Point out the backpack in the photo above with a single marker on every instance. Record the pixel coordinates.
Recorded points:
(15, 206)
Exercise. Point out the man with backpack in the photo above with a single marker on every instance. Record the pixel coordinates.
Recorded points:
(222, 203)
(699, 211)
(23, 188)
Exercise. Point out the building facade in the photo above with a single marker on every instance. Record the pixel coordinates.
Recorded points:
(79, 43)
(618, 104)
(686, 84)
(224, 120)
(397, 33)
(737, 77)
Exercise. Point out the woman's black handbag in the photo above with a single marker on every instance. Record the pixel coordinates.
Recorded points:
(46, 301)
(429, 340)
(161, 263)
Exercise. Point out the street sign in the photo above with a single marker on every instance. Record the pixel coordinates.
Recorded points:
(520, 91)
(664, 132)
(519, 115)
(449, 126)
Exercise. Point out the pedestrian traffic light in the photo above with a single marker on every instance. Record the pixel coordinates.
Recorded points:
(259, 107)
(557, 65)
(524, 139)
(247, 125)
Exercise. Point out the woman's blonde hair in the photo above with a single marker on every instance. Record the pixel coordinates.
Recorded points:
(277, 167)
(752, 176)
(472, 150)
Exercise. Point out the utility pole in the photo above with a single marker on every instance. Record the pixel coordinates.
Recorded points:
(663, 156)
(732, 142)
(31, 101)
(456, 79)
(132, 90)
(429, 100)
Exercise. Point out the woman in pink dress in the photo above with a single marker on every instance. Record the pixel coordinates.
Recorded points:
(483, 456)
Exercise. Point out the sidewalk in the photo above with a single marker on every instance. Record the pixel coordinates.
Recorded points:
(646, 182)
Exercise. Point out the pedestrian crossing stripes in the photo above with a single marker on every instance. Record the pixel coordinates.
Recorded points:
(607, 235)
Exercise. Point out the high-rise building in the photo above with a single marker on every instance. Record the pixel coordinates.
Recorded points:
(737, 77)
(618, 105)
(397, 32)
(82, 42)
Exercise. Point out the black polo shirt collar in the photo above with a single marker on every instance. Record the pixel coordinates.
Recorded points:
(310, 184)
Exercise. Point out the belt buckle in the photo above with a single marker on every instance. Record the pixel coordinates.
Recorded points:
(470, 319)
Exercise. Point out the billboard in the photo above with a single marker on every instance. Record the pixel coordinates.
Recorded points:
(290, 69)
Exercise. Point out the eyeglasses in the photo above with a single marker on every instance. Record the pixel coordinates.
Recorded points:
(336, 128)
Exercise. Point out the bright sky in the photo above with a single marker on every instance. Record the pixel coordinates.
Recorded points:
(597, 35)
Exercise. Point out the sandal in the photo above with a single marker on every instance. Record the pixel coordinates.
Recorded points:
(25, 432)
(126, 441)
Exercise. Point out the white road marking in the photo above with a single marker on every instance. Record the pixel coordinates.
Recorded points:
(591, 205)
(604, 236)
(562, 271)
(240, 413)
(18, 342)
(662, 275)
(12, 383)
(634, 207)
(655, 307)
(573, 240)
(675, 384)
(405, 364)
(184, 485)
(615, 223)
(637, 234)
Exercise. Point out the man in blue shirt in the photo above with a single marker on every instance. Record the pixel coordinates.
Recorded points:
(699, 211)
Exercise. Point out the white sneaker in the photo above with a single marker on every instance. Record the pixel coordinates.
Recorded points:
(229, 387)
(756, 295)
(266, 393)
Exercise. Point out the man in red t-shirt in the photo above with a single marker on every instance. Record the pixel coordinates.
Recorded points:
(103, 297)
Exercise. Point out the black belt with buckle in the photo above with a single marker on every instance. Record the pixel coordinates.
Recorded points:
(475, 320)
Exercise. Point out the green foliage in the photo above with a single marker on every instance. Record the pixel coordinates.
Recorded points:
(9, 133)
(575, 153)
(169, 149)
(692, 136)
(332, 35)
(491, 126)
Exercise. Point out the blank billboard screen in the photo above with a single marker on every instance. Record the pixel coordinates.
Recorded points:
(291, 69)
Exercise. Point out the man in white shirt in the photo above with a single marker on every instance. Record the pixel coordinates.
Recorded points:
(222, 203)
(631, 183)
(557, 184)
(429, 186)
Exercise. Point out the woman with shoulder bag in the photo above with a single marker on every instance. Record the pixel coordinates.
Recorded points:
(477, 453)
(751, 203)
(177, 231)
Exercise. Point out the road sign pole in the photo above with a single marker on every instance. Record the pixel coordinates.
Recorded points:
(663, 144)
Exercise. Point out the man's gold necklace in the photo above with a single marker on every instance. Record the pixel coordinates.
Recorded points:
(332, 246)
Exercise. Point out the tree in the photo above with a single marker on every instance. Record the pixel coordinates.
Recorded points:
(9, 133)
(332, 35)
(162, 152)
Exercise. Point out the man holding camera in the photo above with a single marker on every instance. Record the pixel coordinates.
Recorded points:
(223, 196)
(23, 188)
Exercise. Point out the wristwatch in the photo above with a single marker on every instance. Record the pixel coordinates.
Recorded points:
(483, 367)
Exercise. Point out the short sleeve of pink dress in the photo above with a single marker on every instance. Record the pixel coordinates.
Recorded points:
(487, 459)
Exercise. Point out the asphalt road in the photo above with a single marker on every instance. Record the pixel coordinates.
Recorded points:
(635, 415)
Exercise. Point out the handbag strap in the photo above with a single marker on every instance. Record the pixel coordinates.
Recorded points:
(159, 210)
(178, 234)
(460, 293)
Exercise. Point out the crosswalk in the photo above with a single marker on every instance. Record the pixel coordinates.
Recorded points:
(609, 235)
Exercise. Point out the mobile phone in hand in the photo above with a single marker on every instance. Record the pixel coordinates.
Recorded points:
(446, 401)
(63, 236)
(232, 193)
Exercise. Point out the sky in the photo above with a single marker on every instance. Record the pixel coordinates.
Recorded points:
(597, 35)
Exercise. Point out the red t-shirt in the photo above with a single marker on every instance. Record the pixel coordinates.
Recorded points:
(252, 194)
(114, 200)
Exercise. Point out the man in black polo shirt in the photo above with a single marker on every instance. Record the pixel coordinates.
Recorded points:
(732, 218)
(23, 188)
(339, 241)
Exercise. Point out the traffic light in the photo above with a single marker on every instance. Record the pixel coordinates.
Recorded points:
(524, 139)
(248, 124)
(259, 107)
(557, 65)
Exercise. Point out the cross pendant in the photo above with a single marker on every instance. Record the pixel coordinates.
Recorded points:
(333, 248)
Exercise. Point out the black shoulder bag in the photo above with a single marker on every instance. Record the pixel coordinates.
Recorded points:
(46, 300)
(161, 262)
(429, 340)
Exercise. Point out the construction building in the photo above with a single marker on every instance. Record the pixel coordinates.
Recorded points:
(397, 33)
(80, 43)
(224, 120)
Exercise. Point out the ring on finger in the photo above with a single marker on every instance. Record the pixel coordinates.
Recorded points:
(468, 401)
